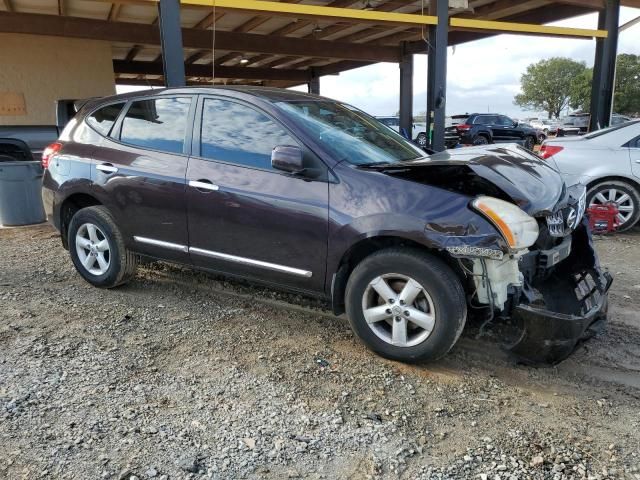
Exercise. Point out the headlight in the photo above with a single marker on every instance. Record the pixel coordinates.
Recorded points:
(518, 229)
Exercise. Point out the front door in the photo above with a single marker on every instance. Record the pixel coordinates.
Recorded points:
(244, 217)
(142, 169)
(508, 129)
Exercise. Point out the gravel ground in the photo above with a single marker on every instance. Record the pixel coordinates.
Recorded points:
(183, 375)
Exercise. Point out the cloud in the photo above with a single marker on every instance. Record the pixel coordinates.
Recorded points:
(482, 75)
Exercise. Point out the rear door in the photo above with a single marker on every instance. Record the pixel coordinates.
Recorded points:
(244, 217)
(490, 122)
(142, 168)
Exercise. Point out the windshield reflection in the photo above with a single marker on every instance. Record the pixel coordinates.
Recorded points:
(350, 134)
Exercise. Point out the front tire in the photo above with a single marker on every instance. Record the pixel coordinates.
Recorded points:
(529, 143)
(406, 305)
(97, 248)
(624, 195)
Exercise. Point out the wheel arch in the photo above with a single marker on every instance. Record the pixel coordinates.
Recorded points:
(369, 245)
(486, 134)
(615, 178)
(68, 208)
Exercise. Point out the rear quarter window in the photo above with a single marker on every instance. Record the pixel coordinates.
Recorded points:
(102, 119)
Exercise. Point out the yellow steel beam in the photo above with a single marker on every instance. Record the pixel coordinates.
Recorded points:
(315, 11)
(507, 27)
(378, 17)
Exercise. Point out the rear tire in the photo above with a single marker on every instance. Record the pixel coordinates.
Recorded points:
(429, 322)
(421, 140)
(480, 140)
(626, 196)
(98, 250)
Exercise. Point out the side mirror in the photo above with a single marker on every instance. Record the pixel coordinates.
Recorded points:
(287, 158)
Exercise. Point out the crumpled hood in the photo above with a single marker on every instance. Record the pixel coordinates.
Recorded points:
(530, 182)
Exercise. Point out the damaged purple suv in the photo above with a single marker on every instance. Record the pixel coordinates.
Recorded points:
(308, 194)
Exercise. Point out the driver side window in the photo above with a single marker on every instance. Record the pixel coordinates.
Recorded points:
(235, 133)
(505, 121)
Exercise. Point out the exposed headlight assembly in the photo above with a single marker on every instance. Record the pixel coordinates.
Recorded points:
(518, 229)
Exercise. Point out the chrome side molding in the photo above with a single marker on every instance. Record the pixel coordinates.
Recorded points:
(160, 243)
(251, 262)
(224, 256)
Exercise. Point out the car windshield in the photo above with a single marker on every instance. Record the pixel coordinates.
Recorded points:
(350, 134)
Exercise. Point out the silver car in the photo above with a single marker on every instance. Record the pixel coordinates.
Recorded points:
(606, 161)
(418, 135)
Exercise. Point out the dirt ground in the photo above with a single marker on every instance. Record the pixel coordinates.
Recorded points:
(183, 375)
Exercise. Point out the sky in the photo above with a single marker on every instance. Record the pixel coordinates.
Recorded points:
(482, 76)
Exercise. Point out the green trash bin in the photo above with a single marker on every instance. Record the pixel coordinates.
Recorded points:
(20, 193)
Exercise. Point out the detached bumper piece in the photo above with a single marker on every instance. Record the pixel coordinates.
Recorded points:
(562, 303)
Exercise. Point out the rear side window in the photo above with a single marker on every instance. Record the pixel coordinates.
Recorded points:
(234, 133)
(102, 120)
(158, 124)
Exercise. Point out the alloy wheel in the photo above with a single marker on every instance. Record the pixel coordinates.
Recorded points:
(93, 249)
(623, 201)
(529, 143)
(398, 310)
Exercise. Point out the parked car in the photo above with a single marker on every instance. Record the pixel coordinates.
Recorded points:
(27, 142)
(575, 124)
(617, 119)
(312, 195)
(418, 134)
(451, 136)
(547, 125)
(485, 128)
(606, 161)
(541, 136)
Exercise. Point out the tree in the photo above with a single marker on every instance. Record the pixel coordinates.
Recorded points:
(627, 93)
(546, 85)
(580, 91)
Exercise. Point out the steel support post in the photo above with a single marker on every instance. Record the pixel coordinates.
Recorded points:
(314, 83)
(437, 74)
(604, 67)
(406, 93)
(171, 43)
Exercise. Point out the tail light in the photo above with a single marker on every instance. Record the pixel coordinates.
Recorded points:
(547, 151)
(463, 127)
(49, 152)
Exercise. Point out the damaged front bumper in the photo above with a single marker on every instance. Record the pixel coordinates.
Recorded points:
(548, 337)
(562, 303)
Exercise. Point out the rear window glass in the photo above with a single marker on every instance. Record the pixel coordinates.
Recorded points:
(604, 131)
(486, 120)
(102, 120)
(158, 124)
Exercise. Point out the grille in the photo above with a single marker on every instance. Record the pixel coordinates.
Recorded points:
(555, 223)
(565, 221)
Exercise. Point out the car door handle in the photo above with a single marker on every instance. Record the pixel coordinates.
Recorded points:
(106, 168)
(203, 185)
